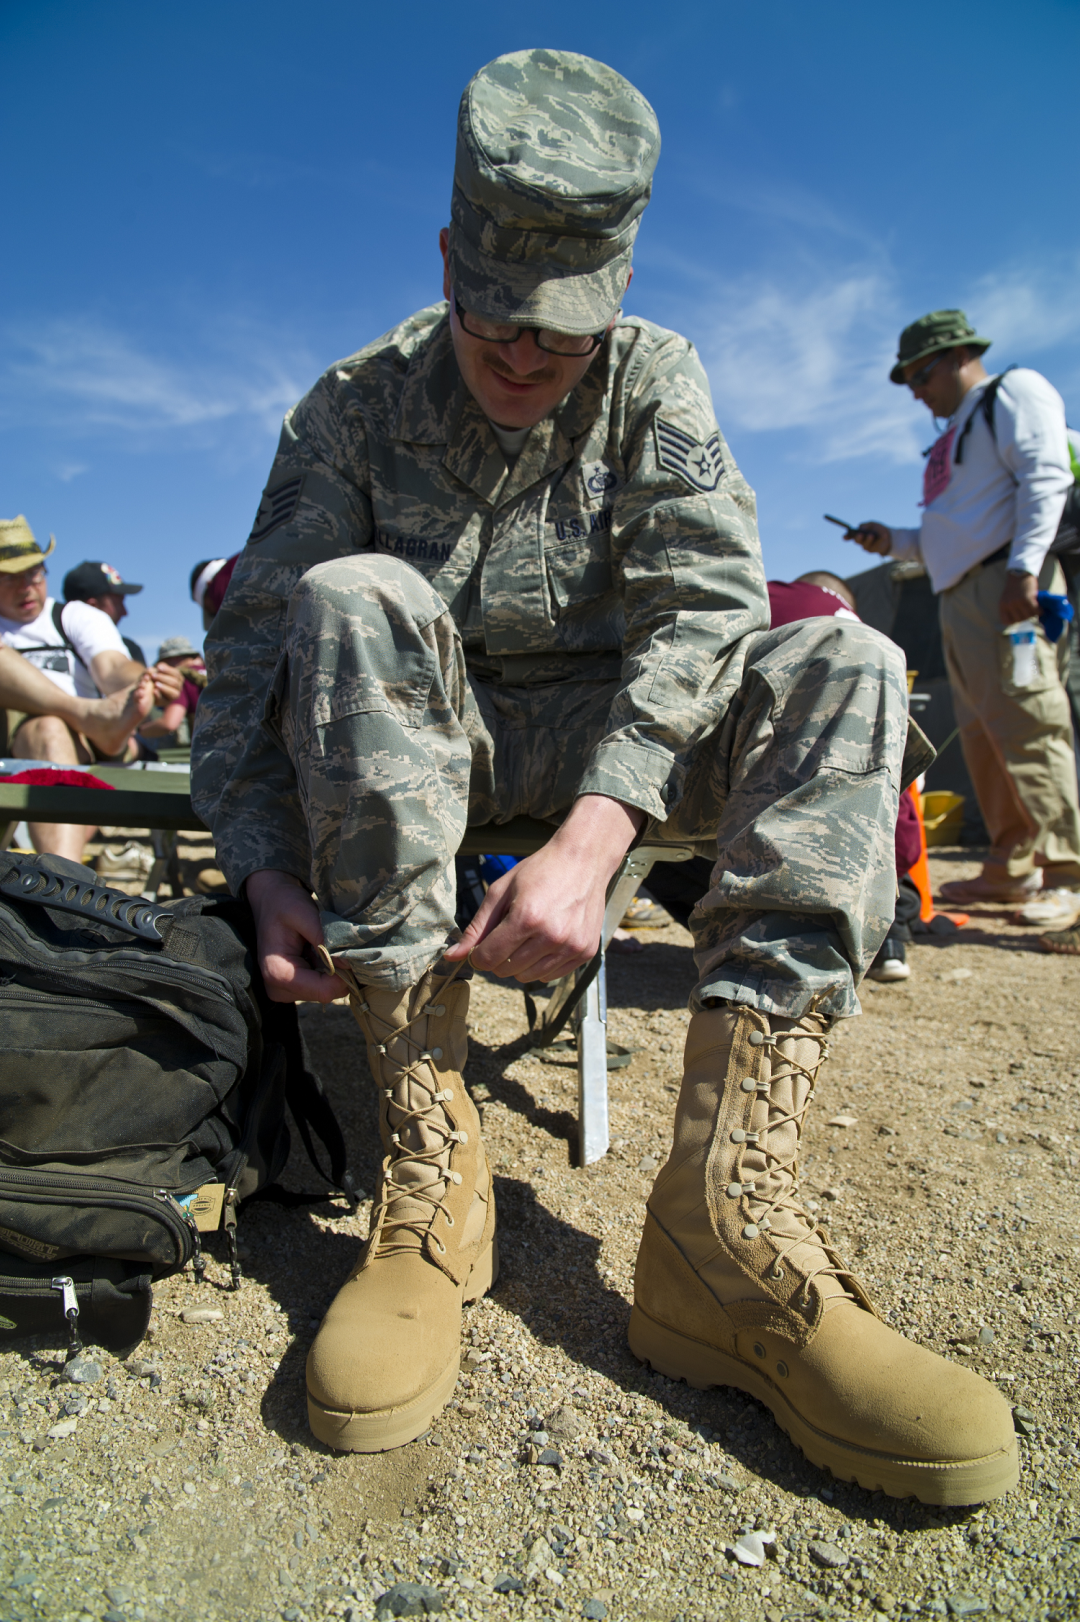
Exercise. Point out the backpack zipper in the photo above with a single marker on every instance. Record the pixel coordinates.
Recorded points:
(39, 1188)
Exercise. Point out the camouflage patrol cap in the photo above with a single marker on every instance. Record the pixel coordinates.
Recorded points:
(941, 329)
(555, 156)
(18, 548)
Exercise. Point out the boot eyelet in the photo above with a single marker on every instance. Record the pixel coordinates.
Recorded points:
(782, 1370)
(756, 1039)
(440, 1245)
(759, 1350)
(751, 1231)
(436, 1053)
(749, 1085)
(777, 1273)
(734, 1191)
(449, 1219)
(462, 1137)
(438, 1009)
(455, 1177)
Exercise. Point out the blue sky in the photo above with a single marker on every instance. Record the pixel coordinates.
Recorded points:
(205, 205)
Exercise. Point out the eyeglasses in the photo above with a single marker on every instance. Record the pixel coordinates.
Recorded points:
(507, 332)
(917, 379)
(32, 576)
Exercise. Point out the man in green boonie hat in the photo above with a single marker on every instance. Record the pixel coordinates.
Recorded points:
(934, 334)
(994, 488)
(505, 564)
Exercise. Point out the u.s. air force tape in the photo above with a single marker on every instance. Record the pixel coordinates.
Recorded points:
(701, 465)
(276, 507)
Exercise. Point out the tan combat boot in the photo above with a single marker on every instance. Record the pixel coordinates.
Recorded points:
(736, 1285)
(386, 1357)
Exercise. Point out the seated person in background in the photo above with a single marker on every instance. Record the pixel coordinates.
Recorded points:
(78, 648)
(107, 723)
(100, 585)
(819, 594)
(173, 725)
(209, 583)
(815, 595)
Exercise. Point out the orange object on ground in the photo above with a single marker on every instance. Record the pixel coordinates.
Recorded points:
(920, 873)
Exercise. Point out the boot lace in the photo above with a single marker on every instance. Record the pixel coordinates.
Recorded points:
(387, 1230)
(786, 1170)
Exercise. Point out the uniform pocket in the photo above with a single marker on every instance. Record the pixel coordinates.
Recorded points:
(579, 568)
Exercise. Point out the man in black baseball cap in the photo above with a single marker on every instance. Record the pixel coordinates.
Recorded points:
(100, 585)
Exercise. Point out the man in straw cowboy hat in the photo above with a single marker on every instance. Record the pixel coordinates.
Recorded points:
(994, 488)
(505, 563)
(94, 696)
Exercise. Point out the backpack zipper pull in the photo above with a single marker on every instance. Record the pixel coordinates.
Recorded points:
(70, 1306)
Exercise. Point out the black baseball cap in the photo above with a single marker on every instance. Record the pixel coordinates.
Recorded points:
(95, 580)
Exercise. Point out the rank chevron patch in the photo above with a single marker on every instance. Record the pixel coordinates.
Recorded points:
(700, 465)
(277, 507)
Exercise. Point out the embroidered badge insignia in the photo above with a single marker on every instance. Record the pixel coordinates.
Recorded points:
(700, 465)
(276, 507)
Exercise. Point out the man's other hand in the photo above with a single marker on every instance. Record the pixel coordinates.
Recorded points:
(287, 925)
(544, 917)
(168, 683)
(1020, 599)
(872, 537)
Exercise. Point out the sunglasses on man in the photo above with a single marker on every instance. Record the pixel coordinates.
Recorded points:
(917, 379)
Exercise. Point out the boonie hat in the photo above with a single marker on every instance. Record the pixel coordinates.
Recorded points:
(174, 646)
(941, 329)
(95, 580)
(18, 548)
(554, 166)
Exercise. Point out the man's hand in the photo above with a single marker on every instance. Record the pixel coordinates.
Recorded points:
(1020, 599)
(872, 537)
(544, 917)
(287, 924)
(168, 684)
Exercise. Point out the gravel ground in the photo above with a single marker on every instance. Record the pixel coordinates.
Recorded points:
(182, 1483)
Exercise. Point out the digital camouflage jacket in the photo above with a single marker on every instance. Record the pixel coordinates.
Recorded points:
(620, 546)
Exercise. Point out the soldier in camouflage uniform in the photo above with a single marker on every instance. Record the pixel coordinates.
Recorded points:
(505, 563)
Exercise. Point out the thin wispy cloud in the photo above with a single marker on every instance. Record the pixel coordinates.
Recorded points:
(87, 377)
(809, 350)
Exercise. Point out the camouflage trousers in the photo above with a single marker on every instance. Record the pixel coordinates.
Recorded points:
(398, 748)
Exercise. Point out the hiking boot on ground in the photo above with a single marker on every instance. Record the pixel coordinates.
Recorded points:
(989, 890)
(386, 1356)
(1060, 908)
(736, 1285)
(645, 913)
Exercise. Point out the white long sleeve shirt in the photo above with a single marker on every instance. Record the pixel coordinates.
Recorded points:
(1009, 487)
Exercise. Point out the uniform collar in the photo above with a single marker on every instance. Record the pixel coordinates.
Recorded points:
(436, 408)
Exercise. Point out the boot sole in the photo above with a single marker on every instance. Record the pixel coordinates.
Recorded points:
(970, 1481)
(386, 1428)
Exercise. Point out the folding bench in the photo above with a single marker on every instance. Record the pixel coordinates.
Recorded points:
(161, 800)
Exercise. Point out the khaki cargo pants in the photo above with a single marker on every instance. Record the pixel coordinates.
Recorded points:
(1017, 742)
(398, 748)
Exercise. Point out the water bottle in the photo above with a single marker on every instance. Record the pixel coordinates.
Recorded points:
(1025, 660)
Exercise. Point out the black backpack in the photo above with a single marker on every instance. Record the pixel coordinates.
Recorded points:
(144, 1076)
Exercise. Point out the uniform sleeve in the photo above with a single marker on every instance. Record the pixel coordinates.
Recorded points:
(1030, 425)
(315, 507)
(688, 565)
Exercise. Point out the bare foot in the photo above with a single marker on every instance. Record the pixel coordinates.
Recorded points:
(109, 722)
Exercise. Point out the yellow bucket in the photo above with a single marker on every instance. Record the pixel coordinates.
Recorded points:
(943, 817)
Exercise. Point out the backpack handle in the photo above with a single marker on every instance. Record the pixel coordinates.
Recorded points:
(23, 880)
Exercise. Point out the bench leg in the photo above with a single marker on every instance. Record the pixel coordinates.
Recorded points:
(592, 1071)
